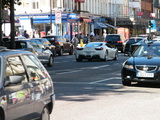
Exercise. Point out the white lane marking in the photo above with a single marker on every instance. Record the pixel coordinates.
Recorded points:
(97, 67)
(101, 80)
(69, 72)
(98, 81)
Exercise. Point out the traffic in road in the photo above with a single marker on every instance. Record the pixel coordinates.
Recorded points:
(93, 90)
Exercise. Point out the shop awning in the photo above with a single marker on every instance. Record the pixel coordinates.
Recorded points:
(99, 25)
(109, 25)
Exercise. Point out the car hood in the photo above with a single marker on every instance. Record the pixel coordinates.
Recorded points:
(144, 61)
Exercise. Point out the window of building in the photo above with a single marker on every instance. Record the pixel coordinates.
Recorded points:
(35, 4)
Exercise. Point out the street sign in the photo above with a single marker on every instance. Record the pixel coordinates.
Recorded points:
(153, 28)
(58, 16)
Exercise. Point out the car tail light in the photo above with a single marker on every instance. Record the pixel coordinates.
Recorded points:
(56, 42)
(77, 48)
(101, 48)
(105, 41)
(119, 41)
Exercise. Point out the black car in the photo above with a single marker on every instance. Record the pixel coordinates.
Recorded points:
(26, 88)
(116, 40)
(129, 42)
(62, 46)
(143, 65)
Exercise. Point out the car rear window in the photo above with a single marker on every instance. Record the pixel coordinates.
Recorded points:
(94, 44)
(112, 38)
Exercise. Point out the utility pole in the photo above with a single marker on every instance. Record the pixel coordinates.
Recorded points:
(12, 24)
(0, 22)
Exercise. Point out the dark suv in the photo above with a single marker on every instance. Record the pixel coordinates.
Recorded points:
(26, 88)
(116, 40)
(62, 46)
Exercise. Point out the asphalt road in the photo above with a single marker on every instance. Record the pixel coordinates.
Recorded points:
(93, 91)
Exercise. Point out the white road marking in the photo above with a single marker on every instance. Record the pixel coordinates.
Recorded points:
(98, 81)
(97, 67)
(69, 72)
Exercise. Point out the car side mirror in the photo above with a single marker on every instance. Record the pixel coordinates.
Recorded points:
(14, 80)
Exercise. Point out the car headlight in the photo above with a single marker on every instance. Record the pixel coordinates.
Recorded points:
(128, 66)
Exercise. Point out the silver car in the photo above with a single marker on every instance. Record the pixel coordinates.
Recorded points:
(43, 54)
(26, 88)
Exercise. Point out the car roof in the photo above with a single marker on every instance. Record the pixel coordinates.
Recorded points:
(5, 51)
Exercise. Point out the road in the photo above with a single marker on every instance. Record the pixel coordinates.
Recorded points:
(93, 91)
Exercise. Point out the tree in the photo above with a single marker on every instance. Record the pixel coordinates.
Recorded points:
(6, 3)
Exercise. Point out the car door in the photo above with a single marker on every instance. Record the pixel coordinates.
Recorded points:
(111, 51)
(17, 90)
(42, 86)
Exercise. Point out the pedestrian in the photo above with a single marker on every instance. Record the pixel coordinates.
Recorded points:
(67, 37)
(85, 40)
(36, 34)
(92, 33)
(26, 34)
(75, 42)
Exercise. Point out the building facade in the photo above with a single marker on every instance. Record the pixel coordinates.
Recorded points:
(84, 16)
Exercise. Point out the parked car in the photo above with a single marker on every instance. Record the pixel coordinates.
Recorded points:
(44, 55)
(26, 88)
(96, 50)
(116, 40)
(46, 44)
(143, 65)
(62, 46)
(129, 42)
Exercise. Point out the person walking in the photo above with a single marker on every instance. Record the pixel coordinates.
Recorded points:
(26, 34)
(36, 35)
(75, 42)
(67, 37)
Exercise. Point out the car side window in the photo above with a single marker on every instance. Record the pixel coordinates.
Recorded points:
(34, 68)
(14, 67)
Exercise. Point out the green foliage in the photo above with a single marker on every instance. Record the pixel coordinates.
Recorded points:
(6, 3)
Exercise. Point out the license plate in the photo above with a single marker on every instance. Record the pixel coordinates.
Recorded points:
(144, 74)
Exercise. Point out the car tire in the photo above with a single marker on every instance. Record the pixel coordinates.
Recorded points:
(50, 63)
(105, 57)
(78, 59)
(116, 56)
(45, 114)
(126, 83)
(61, 52)
(71, 51)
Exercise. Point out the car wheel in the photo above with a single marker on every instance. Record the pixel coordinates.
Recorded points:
(61, 52)
(78, 59)
(71, 51)
(116, 56)
(50, 63)
(105, 57)
(45, 114)
(126, 82)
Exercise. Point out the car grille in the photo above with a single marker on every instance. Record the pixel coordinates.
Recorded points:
(145, 68)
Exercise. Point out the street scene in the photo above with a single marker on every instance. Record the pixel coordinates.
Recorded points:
(79, 59)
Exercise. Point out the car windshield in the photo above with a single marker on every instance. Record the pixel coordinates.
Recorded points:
(94, 44)
(112, 38)
(132, 40)
(147, 50)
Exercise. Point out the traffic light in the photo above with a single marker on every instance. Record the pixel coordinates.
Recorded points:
(150, 24)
